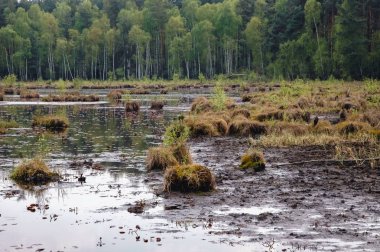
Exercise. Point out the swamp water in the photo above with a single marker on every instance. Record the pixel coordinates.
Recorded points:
(93, 216)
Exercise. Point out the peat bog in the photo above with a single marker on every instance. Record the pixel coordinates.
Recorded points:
(262, 167)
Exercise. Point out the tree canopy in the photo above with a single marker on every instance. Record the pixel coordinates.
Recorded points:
(130, 39)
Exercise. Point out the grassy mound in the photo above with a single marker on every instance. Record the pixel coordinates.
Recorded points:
(26, 94)
(270, 115)
(71, 97)
(253, 159)
(159, 158)
(201, 104)
(157, 105)
(244, 127)
(34, 171)
(241, 111)
(1, 97)
(351, 127)
(132, 106)
(201, 127)
(115, 95)
(189, 178)
(51, 122)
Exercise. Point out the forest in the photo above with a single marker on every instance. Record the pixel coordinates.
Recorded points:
(169, 39)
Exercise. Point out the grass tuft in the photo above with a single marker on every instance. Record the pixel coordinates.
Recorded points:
(55, 123)
(33, 171)
(253, 159)
(189, 178)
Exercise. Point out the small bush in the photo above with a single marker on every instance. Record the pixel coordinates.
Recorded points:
(253, 159)
(181, 153)
(189, 178)
(351, 127)
(10, 80)
(34, 171)
(54, 123)
(157, 105)
(176, 132)
(201, 104)
(219, 98)
(159, 158)
(244, 127)
(132, 106)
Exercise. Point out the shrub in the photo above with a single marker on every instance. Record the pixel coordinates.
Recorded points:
(219, 98)
(189, 178)
(244, 127)
(51, 122)
(351, 127)
(159, 158)
(201, 104)
(34, 171)
(181, 153)
(10, 80)
(253, 159)
(132, 106)
(157, 105)
(176, 132)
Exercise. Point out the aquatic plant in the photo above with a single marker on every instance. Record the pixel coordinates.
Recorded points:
(253, 159)
(159, 158)
(189, 178)
(54, 123)
(33, 171)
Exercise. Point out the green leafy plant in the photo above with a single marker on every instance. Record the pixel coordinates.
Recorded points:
(219, 98)
(177, 132)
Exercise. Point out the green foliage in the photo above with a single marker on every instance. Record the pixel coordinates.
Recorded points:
(176, 133)
(219, 97)
(10, 80)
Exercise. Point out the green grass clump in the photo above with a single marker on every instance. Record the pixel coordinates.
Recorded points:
(55, 123)
(33, 171)
(189, 178)
(159, 158)
(177, 132)
(352, 127)
(253, 159)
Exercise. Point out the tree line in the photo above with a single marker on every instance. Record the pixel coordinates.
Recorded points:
(135, 39)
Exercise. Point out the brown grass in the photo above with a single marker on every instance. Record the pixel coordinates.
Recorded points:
(34, 171)
(71, 97)
(201, 104)
(189, 178)
(253, 159)
(132, 106)
(241, 126)
(157, 105)
(159, 158)
(241, 111)
(115, 95)
(351, 127)
(26, 94)
(295, 128)
(270, 115)
(201, 127)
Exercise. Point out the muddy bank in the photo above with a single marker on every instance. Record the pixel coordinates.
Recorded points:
(315, 206)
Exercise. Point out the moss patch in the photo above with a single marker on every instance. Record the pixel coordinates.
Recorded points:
(253, 159)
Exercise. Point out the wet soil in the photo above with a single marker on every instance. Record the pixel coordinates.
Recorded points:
(316, 206)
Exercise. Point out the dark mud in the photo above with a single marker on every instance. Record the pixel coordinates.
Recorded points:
(315, 206)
